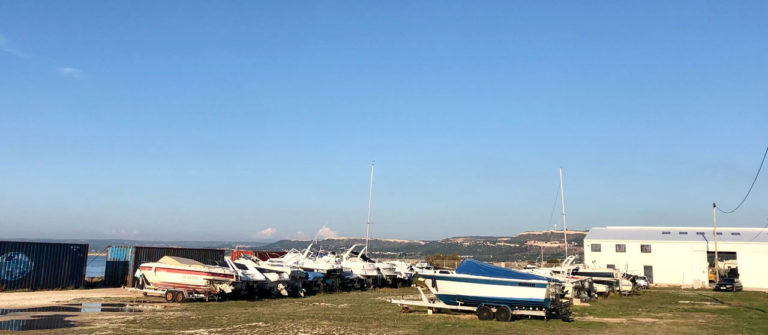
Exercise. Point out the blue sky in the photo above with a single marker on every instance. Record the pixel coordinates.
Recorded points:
(258, 120)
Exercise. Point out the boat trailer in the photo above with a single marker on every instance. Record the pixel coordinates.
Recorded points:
(170, 295)
(484, 312)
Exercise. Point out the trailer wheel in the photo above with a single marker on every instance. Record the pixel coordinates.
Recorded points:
(169, 296)
(504, 314)
(178, 297)
(484, 313)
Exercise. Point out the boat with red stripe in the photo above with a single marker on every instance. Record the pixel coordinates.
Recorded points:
(185, 275)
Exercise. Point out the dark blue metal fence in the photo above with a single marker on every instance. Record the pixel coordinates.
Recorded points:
(41, 266)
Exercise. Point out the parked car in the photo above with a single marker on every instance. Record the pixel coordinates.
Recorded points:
(729, 284)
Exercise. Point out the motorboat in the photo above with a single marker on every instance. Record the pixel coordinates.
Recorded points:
(178, 273)
(322, 272)
(575, 287)
(329, 265)
(477, 284)
(251, 281)
(423, 268)
(612, 279)
(387, 270)
(403, 270)
(359, 264)
(276, 270)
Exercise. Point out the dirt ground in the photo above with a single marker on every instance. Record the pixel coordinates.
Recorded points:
(47, 298)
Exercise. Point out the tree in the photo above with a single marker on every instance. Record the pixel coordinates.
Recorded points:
(443, 260)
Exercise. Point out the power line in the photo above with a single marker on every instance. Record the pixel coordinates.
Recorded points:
(750, 186)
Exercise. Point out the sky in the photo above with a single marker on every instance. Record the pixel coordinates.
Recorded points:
(258, 120)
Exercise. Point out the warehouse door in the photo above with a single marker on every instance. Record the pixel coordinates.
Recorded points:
(648, 272)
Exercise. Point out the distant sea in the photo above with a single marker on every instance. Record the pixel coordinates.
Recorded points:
(96, 266)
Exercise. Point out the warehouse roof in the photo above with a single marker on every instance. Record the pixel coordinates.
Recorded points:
(691, 234)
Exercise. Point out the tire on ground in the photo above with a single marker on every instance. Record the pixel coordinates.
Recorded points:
(484, 313)
(504, 314)
(169, 296)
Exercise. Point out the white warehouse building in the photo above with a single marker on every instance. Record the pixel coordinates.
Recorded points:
(681, 255)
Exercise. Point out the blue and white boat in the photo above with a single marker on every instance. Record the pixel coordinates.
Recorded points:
(475, 283)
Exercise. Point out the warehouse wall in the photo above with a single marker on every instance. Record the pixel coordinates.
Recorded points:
(753, 263)
(681, 262)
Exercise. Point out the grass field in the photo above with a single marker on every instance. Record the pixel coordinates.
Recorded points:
(658, 311)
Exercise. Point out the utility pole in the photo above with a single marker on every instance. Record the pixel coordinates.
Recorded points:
(714, 233)
(562, 202)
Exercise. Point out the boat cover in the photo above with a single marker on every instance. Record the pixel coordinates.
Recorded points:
(180, 261)
(477, 268)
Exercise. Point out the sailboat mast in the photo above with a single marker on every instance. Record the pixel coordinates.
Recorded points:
(368, 223)
(562, 202)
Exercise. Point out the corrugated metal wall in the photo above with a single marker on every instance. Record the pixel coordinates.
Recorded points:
(40, 266)
(265, 255)
(235, 255)
(117, 271)
(122, 262)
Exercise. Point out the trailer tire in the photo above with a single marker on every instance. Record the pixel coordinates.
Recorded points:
(484, 313)
(169, 296)
(503, 314)
(178, 297)
(566, 315)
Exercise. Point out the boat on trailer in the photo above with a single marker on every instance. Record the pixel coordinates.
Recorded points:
(496, 292)
(179, 279)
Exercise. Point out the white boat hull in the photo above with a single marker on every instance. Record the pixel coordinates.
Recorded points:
(458, 289)
(181, 278)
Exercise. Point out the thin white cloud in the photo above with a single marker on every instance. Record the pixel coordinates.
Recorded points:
(265, 233)
(299, 235)
(6, 47)
(326, 232)
(70, 72)
(122, 233)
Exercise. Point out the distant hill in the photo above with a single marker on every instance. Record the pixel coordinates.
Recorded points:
(546, 236)
(525, 246)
